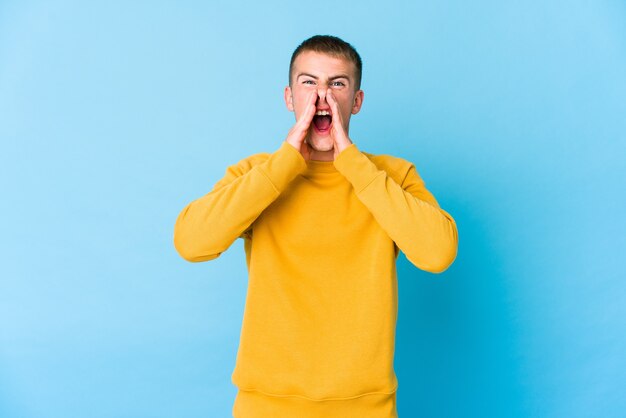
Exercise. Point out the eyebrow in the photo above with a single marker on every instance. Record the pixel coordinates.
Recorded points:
(330, 78)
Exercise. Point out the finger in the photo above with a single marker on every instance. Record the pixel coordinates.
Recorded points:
(309, 111)
(335, 108)
(304, 123)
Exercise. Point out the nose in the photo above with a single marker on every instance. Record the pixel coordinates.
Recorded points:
(321, 96)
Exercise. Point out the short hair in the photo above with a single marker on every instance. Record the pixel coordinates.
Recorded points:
(334, 46)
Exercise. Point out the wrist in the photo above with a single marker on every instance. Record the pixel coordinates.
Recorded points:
(296, 146)
(343, 144)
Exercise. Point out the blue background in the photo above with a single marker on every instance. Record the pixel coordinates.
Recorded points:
(113, 116)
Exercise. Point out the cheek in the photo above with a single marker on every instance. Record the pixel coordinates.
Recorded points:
(345, 101)
(346, 107)
(299, 99)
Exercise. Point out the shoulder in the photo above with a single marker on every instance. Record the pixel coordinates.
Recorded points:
(248, 163)
(395, 167)
(241, 167)
(405, 174)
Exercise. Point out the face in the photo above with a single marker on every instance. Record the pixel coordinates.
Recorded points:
(313, 71)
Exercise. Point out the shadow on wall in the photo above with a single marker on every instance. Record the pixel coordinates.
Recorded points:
(455, 339)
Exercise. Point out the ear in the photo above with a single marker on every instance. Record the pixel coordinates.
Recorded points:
(358, 102)
(289, 98)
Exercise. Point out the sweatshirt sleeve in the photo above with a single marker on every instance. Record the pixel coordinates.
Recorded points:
(207, 226)
(408, 212)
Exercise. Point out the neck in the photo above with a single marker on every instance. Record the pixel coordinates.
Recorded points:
(322, 155)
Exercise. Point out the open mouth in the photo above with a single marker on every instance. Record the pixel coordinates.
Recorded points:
(322, 121)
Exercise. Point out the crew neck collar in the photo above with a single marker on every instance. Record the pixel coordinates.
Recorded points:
(321, 166)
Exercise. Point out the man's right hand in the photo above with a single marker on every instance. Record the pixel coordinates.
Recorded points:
(299, 131)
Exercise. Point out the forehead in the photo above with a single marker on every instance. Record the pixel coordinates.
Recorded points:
(320, 64)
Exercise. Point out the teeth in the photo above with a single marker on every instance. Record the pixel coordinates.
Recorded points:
(322, 113)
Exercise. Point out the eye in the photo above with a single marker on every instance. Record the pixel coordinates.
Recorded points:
(338, 83)
(308, 82)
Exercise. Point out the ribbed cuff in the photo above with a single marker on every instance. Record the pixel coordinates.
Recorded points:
(356, 167)
(283, 166)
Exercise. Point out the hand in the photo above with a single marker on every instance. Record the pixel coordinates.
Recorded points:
(337, 133)
(297, 135)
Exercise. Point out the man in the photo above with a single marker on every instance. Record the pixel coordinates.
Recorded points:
(322, 224)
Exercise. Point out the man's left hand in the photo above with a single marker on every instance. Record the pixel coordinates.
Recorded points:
(337, 133)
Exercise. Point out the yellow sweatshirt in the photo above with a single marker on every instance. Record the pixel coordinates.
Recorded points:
(321, 242)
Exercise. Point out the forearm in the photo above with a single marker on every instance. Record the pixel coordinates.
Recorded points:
(207, 226)
(425, 233)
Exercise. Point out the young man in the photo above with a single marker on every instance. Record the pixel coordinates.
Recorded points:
(322, 224)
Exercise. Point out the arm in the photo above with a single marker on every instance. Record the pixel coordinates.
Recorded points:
(408, 212)
(207, 226)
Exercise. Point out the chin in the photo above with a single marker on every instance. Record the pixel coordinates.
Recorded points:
(324, 143)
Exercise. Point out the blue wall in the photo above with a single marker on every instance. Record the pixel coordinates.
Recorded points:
(114, 116)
